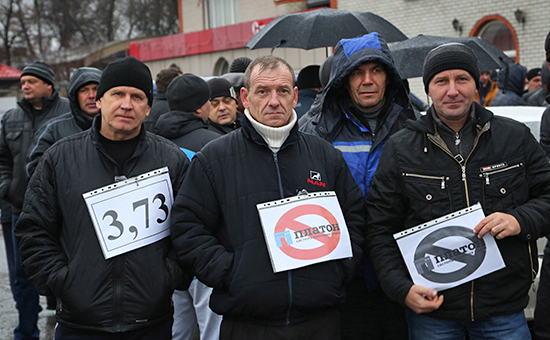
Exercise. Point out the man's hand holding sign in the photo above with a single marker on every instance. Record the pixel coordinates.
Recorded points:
(499, 225)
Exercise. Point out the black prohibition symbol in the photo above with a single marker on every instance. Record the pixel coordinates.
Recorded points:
(464, 254)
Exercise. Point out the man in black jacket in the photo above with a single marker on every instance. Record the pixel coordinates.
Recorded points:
(72, 252)
(216, 226)
(160, 102)
(82, 93)
(458, 154)
(186, 124)
(41, 102)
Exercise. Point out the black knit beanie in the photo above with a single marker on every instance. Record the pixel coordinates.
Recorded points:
(39, 70)
(126, 72)
(220, 87)
(187, 93)
(447, 57)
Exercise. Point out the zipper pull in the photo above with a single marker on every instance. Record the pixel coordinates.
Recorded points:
(486, 178)
(443, 183)
(463, 174)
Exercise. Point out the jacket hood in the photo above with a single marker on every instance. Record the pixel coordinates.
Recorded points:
(512, 78)
(352, 53)
(175, 124)
(81, 76)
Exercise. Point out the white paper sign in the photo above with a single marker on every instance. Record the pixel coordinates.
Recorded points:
(304, 230)
(445, 252)
(133, 213)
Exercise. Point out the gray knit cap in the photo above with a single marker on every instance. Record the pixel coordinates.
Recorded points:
(39, 70)
(240, 64)
(448, 57)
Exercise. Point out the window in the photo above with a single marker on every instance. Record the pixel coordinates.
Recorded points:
(499, 32)
(221, 67)
(222, 12)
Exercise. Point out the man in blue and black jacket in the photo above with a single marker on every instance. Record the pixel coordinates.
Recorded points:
(365, 102)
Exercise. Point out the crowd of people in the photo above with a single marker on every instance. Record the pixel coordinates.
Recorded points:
(233, 164)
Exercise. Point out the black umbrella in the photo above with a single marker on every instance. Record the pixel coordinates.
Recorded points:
(409, 55)
(322, 28)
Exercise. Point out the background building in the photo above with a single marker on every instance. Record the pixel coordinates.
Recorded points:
(214, 32)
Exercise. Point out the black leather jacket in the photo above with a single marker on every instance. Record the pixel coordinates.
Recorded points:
(419, 180)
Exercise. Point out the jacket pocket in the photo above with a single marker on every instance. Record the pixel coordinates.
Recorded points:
(504, 188)
(13, 135)
(428, 194)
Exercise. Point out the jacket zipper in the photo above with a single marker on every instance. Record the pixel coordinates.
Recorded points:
(487, 174)
(533, 271)
(118, 278)
(464, 179)
(441, 178)
(289, 273)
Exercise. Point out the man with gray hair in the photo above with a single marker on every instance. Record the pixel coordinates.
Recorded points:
(217, 228)
(458, 154)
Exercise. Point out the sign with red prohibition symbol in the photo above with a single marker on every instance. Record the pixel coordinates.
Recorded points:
(304, 230)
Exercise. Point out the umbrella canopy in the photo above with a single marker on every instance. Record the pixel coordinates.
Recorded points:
(409, 55)
(322, 28)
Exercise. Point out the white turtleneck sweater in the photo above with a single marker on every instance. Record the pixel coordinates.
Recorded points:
(273, 136)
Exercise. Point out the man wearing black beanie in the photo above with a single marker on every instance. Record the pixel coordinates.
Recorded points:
(224, 117)
(456, 155)
(109, 265)
(40, 103)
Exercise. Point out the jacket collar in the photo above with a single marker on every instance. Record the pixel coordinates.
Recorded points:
(96, 127)
(47, 103)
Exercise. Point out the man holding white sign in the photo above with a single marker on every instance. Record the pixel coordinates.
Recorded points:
(94, 226)
(217, 227)
(455, 156)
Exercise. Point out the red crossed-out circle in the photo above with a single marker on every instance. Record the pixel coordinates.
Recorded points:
(288, 221)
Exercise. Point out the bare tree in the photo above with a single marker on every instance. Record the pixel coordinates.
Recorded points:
(6, 17)
(152, 17)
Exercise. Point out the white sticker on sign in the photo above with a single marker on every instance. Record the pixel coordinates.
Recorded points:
(133, 213)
